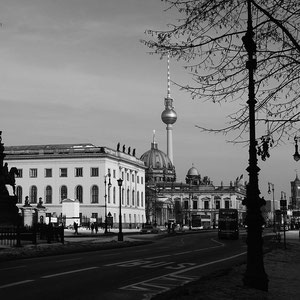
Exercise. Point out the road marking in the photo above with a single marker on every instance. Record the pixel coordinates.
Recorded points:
(69, 272)
(154, 257)
(155, 285)
(11, 268)
(15, 283)
(122, 262)
(70, 259)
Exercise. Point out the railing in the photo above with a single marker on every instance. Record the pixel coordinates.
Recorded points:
(13, 236)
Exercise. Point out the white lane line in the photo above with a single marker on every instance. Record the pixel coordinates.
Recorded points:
(161, 256)
(122, 262)
(70, 259)
(15, 283)
(11, 268)
(69, 272)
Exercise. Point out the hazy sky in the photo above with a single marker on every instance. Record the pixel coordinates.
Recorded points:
(74, 71)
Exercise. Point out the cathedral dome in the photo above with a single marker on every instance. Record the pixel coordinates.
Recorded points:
(159, 166)
(156, 159)
(192, 172)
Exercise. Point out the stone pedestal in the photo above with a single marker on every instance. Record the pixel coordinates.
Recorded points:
(28, 214)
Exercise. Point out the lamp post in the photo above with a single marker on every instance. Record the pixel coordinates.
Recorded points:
(255, 275)
(105, 198)
(283, 207)
(120, 234)
(296, 155)
(269, 192)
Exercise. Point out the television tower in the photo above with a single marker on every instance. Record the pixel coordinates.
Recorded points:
(169, 116)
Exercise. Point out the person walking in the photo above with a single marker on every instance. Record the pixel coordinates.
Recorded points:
(75, 225)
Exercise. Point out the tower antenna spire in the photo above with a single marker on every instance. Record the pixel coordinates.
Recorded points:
(168, 78)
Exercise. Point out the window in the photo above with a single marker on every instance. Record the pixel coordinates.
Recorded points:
(48, 172)
(142, 180)
(128, 197)
(123, 196)
(206, 204)
(94, 172)
(33, 194)
(195, 204)
(78, 172)
(133, 198)
(79, 193)
(114, 173)
(138, 198)
(127, 176)
(114, 194)
(63, 193)
(186, 204)
(63, 172)
(218, 204)
(142, 198)
(20, 173)
(95, 194)
(108, 195)
(123, 175)
(32, 173)
(48, 193)
(132, 177)
(19, 193)
(226, 204)
(138, 179)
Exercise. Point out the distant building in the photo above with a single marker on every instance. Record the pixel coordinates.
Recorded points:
(76, 171)
(295, 193)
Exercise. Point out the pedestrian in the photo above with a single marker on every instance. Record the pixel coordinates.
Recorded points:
(75, 225)
(96, 227)
(92, 227)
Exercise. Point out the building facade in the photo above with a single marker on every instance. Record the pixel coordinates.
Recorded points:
(80, 172)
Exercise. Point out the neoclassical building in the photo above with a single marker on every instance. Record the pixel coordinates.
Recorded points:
(80, 172)
(195, 200)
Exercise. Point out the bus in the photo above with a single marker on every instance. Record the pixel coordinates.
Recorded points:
(228, 225)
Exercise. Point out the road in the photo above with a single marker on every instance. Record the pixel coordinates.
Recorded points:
(126, 273)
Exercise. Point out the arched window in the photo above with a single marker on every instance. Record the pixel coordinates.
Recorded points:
(128, 194)
(95, 194)
(63, 192)
(142, 199)
(133, 198)
(79, 193)
(19, 193)
(114, 195)
(33, 194)
(48, 194)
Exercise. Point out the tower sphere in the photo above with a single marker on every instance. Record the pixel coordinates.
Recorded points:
(169, 116)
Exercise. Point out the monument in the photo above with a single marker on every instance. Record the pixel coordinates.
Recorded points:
(9, 215)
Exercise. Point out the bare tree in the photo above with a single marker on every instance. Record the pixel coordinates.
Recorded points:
(208, 37)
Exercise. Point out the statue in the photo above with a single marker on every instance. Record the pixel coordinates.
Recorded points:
(123, 148)
(129, 149)
(27, 204)
(133, 152)
(118, 147)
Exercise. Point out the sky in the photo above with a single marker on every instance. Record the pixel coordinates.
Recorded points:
(75, 71)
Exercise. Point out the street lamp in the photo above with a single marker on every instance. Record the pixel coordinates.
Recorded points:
(296, 155)
(255, 275)
(269, 192)
(105, 198)
(120, 234)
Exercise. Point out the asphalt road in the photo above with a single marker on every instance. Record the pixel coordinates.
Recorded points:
(126, 273)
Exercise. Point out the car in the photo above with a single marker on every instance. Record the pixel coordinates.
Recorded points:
(149, 229)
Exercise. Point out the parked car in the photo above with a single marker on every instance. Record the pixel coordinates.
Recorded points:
(149, 229)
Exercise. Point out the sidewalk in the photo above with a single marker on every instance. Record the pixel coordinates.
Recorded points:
(281, 265)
